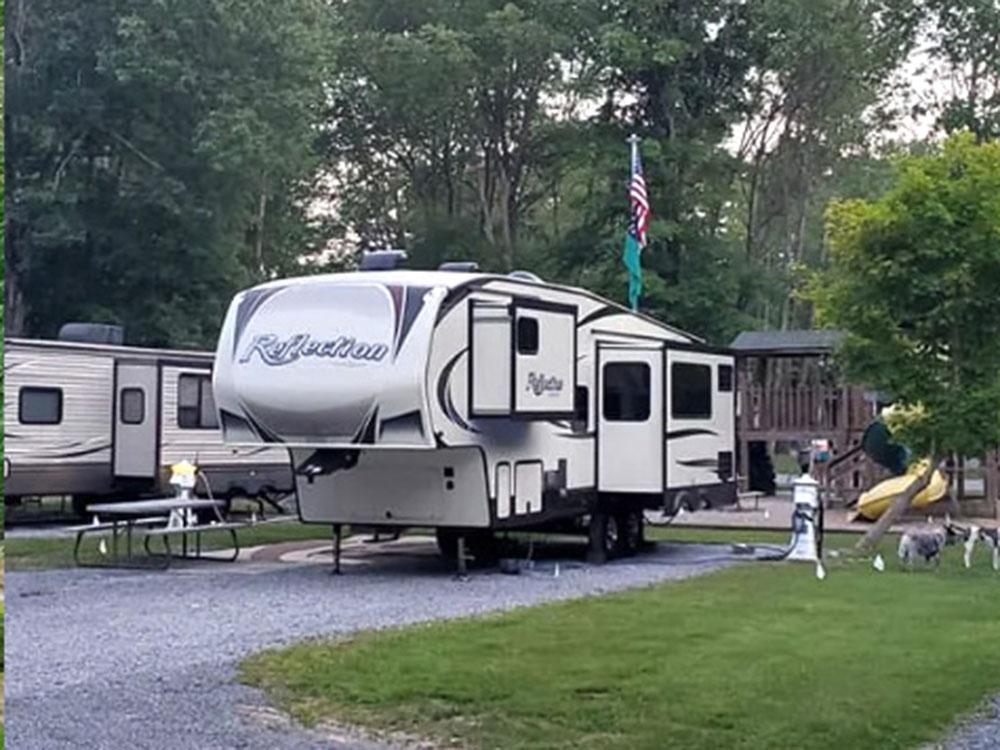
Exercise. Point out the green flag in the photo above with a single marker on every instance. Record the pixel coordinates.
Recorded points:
(635, 238)
(630, 257)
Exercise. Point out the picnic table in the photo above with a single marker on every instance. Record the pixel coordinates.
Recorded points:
(159, 517)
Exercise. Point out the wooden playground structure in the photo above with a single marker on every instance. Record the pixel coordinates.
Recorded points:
(790, 392)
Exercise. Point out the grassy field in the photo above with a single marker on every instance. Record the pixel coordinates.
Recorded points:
(34, 554)
(755, 656)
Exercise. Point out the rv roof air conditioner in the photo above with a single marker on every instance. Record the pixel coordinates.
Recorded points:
(92, 333)
(382, 260)
(525, 276)
(460, 266)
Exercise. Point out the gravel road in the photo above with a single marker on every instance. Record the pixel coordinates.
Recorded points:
(980, 734)
(112, 659)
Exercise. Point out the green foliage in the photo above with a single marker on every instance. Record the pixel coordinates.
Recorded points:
(167, 153)
(914, 278)
(161, 151)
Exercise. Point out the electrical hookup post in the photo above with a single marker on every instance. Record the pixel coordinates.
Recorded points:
(807, 524)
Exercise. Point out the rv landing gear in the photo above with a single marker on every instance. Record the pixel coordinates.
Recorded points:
(479, 546)
(338, 534)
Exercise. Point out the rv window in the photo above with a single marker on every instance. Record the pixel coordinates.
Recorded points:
(196, 403)
(626, 392)
(40, 406)
(581, 408)
(208, 416)
(132, 405)
(527, 336)
(726, 378)
(691, 391)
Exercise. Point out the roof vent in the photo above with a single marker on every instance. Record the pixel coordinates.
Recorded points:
(92, 333)
(382, 260)
(460, 266)
(525, 276)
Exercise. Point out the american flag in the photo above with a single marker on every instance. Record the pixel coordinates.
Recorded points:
(638, 202)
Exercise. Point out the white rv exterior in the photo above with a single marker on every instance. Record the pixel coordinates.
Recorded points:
(474, 401)
(92, 420)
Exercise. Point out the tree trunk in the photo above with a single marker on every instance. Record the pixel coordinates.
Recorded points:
(898, 507)
(14, 306)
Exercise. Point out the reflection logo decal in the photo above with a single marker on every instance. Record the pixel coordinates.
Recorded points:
(540, 383)
(275, 352)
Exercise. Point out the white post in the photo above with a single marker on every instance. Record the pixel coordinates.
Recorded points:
(805, 520)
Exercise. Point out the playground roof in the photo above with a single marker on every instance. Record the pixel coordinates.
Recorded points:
(787, 342)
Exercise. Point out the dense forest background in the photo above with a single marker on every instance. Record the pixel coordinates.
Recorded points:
(163, 154)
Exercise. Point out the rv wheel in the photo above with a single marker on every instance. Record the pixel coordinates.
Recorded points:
(630, 525)
(605, 538)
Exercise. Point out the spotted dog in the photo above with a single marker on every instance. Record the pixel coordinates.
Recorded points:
(989, 537)
(929, 543)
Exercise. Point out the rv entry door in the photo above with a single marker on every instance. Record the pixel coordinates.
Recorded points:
(630, 439)
(136, 400)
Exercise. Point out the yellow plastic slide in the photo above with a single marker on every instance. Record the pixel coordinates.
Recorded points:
(877, 500)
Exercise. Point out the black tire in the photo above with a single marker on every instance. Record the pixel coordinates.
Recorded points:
(630, 525)
(605, 538)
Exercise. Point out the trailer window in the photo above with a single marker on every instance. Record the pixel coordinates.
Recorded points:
(725, 378)
(132, 405)
(626, 392)
(527, 335)
(40, 406)
(196, 403)
(691, 391)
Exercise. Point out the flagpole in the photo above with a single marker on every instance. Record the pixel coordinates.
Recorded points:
(633, 141)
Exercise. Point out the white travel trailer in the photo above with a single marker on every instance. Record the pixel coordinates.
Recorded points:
(95, 420)
(473, 403)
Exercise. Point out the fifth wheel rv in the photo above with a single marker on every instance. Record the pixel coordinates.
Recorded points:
(475, 403)
(93, 420)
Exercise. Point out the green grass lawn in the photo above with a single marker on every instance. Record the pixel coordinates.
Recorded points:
(34, 554)
(755, 656)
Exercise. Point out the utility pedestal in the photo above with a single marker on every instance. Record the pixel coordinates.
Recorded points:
(807, 521)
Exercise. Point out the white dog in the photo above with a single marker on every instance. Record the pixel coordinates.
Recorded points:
(974, 534)
(989, 537)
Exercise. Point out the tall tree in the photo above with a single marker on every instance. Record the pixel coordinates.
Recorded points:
(963, 86)
(441, 120)
(817, 98)
(914, 279)
(160, 152)
(673, 73)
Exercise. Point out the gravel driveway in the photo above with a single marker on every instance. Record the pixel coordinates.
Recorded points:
(979, 734)
(112, 659)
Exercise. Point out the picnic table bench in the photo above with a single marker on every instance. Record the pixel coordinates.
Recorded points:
(162, 518)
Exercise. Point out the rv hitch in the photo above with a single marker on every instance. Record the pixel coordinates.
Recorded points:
(327, 461)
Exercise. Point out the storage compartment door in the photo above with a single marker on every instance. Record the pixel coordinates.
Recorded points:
(489, 359)
(137, 396)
